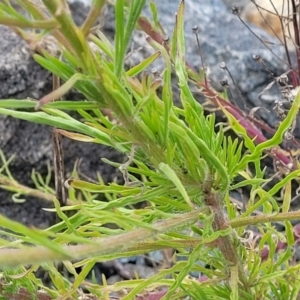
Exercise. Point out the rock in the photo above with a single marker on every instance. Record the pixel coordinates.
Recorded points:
(240, 3)
(140, 270)
(22, 77)
(223, 38)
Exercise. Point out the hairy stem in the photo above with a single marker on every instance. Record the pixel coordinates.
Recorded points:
(103, 246)
(253, 220)
(227, 244)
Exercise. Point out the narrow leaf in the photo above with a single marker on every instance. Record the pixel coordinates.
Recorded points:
(287, 197)
(143, 65)
(173, 177)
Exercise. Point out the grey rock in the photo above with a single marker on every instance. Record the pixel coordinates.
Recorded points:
(223, 38)
(240, 3)
(157, 256)
(85, 2)
(135, 259)
(141, 270)
(113, 279)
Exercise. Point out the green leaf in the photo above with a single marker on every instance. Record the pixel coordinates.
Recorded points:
(173, 177)
(17, 103)
(67, 124)
(277, 137)
(289, 231)
(154, 14)
(272, 276)
(248, 182)
(287, 197)
(124, 31)
(62, 90)
(120, 46)
(38, 237)
(143, 65)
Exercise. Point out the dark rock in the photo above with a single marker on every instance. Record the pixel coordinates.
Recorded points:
(22, 77)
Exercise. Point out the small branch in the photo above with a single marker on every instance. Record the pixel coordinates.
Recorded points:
(114, 244)
(48, 24)
(253, 220)
(215, 202)
(227, 244)
(296, 33)
(14, 186)
(92, 16)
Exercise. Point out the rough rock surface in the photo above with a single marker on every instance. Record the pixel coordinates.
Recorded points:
(31, 143)
(240, 3)
(223, 38)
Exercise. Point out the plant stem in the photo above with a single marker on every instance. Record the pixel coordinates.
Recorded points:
(102, 246)
(227, 244)
(94, 13)
(14, 186)
(277, 217)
